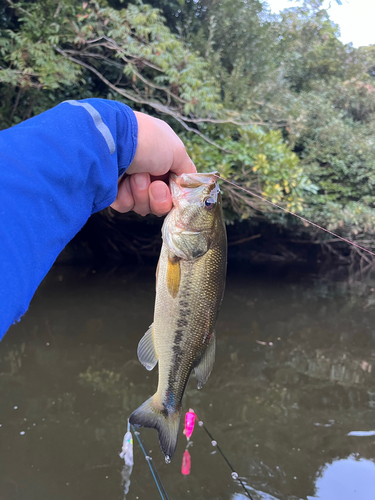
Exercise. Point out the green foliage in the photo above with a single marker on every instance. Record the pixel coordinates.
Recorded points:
(55, 47)
(256, 160)
(131, 55)
(237, 40)
(276, 103)
(338, 155)
(309, 48)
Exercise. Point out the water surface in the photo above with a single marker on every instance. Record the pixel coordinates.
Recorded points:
(293, 378)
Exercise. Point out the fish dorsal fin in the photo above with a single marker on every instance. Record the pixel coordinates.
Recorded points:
(173, 276)
(146, 350)
(204, 368)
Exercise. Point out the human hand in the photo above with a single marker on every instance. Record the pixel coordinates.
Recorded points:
(159, 151)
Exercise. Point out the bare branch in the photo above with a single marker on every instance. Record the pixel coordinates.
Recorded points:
(125, 59)
(57, 12)
(228, 120)
(121, 50)
(145, 80)
(132, 97)
(237, 199)
(17, 7)
(19, 93)
(112, 45)
(196, 131)
(244, 240)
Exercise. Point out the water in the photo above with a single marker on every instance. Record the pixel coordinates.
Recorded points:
(291, 400)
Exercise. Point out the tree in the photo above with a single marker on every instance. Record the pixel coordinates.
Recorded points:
(91, 49)
(277, 103)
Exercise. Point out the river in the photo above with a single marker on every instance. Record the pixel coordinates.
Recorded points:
(291, 400)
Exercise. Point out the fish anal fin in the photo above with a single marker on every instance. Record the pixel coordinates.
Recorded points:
(166, 422)
(173, 276)
(146, 350)
(204, 368)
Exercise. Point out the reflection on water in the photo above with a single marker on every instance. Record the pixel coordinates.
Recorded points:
(346, 479)
(126, 473)
(293, 380)
(261, 495)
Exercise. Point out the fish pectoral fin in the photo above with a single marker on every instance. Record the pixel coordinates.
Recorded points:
(146, 350)
(204, 368)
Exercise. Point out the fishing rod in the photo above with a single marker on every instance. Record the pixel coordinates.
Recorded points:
(214, 443)
(154, 472)
(296, 215)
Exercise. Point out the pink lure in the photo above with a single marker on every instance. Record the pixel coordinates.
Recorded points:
(186, 463)
(189, 423)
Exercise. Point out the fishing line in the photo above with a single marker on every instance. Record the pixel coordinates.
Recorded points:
(296, 215)
(214, 443)
(154, 472)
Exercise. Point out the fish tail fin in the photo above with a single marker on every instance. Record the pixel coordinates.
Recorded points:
(167, 423)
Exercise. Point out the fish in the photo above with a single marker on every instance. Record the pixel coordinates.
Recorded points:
(190, 282)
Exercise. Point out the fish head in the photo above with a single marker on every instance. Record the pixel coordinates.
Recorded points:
(190, 227)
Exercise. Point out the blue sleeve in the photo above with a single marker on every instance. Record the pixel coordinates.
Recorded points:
(56, 169)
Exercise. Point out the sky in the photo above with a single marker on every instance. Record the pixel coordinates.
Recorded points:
(356, 18)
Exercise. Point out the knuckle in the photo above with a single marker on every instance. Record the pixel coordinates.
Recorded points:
(142, 212)
(161, 213)
(123, 208)
(126, 205)
(128, 208)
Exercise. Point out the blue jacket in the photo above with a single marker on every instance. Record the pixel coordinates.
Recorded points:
(56, 169)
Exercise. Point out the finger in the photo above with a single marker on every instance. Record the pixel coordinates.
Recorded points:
(139, 184)
(124, 201)
(160, 198)
(182, 163)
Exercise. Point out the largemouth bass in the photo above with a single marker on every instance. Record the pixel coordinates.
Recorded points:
(190, 281)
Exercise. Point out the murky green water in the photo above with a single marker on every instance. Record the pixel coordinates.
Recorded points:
(293, 377)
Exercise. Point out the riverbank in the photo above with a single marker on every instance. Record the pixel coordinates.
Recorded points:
(118, 239)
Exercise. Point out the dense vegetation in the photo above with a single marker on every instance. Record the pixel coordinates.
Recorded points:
(276, 103)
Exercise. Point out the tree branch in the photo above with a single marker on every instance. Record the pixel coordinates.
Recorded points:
(112, 45)
(17, 7)
(127, 61)
(139, 100)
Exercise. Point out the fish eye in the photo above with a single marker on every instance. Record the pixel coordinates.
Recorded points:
(209, 203)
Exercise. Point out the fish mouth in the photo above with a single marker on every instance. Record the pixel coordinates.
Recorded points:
(194, 180)
(191, 187)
